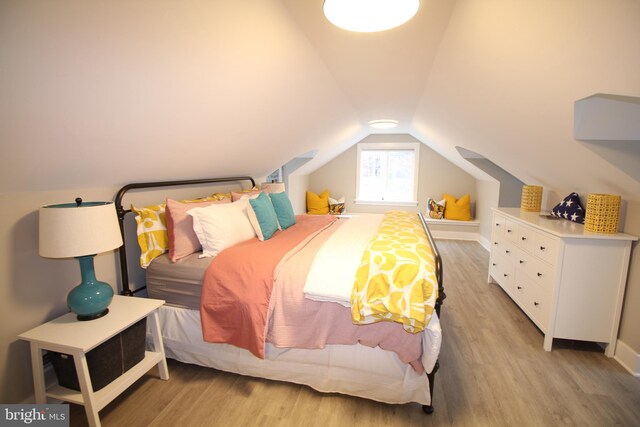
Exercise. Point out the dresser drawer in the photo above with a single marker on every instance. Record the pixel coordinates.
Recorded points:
(503, 249)
(539, 306)
(511, 231)
(546, 248)
(526, 238)
(538, 271)
(503, 272)
(498, 226)
(534, 300)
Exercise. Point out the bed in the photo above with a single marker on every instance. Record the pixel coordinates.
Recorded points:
(378, 361)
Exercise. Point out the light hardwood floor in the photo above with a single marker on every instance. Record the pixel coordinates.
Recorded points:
(493, 372)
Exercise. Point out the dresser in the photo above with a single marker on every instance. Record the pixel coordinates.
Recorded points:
(568, 281)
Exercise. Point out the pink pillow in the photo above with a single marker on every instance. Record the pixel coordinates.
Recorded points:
(237, 196)
(182, 239)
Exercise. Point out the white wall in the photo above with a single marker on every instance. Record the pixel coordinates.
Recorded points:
(298, 185)
(124, 91)
(506, 77)
(437, 176)
(629, 331)
(488, 196)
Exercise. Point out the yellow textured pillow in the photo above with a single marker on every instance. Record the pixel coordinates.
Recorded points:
(152, 232)
(219, 196)
(459, 209)
(318, 204)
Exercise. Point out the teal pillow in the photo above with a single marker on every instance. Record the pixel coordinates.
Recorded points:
(266, 215)
(284, 210)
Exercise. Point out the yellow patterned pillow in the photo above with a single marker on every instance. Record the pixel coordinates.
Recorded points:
(219, 196)
(152, 232)
(153, 238)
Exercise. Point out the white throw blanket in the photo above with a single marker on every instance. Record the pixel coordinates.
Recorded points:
(333, 270)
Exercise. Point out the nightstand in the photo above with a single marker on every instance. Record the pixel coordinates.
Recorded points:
(68, 335)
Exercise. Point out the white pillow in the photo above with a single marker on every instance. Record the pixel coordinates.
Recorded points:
(221, 226)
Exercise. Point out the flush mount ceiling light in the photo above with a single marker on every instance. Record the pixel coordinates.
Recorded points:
(367, 16)
(383, 124)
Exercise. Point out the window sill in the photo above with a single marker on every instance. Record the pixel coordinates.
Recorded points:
(384, 203)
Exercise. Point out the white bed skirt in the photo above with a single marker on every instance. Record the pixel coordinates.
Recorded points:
(355, 370)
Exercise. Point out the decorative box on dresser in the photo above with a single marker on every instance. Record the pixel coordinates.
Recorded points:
(569, 282)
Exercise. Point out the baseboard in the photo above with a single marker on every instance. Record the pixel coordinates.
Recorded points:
(462, 235)
(472, 223)
(486, 243)
(50, 379)
(455, 235)
(628, 358)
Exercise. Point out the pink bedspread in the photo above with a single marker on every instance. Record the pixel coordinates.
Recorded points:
(253, 292)
(237, 285)
(298, 322)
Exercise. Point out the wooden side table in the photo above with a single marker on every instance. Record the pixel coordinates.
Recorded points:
(68, 335)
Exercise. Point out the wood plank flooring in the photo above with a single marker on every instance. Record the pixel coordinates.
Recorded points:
(493, 372)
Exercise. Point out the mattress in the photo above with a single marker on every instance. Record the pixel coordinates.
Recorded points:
(354, 370)
(179, 283)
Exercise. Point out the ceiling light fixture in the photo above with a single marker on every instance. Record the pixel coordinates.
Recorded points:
(383, 124)
(368, 16)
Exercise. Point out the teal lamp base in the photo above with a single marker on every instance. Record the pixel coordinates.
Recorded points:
(90, 299)
(83, 317)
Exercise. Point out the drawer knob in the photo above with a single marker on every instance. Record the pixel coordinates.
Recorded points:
(536, 303)
(497, 225)
(493, 263)
(539, 274)
(521, 262)
(505, 275)
(507, 252)
(519, 287)
(542, 248)
(495, 243)
(508, 231)
(523, 238)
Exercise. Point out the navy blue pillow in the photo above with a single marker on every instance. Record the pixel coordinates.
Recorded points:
(570, 208)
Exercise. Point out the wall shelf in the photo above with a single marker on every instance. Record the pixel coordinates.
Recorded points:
(606, 117)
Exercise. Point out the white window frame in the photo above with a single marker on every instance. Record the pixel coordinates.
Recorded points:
(391, 146)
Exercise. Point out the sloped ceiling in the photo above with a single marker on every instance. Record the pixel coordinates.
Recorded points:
(97, 93)
(506, 78)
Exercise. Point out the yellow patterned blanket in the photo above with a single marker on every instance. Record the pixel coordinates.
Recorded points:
(396, 280)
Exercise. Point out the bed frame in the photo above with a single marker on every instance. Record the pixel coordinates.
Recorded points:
(124, 268)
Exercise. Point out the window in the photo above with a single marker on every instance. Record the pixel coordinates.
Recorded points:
(388, 173)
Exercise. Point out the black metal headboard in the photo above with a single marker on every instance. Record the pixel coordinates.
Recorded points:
(124, 271)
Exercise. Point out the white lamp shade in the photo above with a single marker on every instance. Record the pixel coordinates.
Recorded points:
(67, 230)
(273, 187)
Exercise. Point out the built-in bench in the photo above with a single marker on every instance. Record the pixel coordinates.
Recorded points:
(445, 228)
(451, 229)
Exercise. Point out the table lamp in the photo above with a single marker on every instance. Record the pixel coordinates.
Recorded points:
(81, 230)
